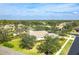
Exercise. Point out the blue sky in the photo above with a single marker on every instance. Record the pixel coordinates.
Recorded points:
(42, 11)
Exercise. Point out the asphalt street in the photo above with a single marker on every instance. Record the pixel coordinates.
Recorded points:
(8, 51)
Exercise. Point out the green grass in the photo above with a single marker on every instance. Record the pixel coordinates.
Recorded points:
(33, 51)
(16, 47)
(62, 42)
(66, 48)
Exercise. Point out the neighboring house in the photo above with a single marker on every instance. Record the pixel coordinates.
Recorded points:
(77, 29)
(41, 34)
(20, 26)
(10, 27)
(20, 29)
(60, 26)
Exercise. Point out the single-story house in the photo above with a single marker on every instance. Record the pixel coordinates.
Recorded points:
(60, 26)
(38, 34)
(41, 34)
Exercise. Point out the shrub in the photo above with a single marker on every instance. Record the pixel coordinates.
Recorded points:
(8, 45)
(62, 39)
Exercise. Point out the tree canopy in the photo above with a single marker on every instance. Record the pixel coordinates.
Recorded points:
(49, 46)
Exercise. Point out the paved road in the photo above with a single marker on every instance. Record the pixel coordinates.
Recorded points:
(8, 51)
(74, 50)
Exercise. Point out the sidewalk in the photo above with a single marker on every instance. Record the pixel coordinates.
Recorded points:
(63, 45)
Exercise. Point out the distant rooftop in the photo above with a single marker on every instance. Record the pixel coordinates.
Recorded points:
(77, 29)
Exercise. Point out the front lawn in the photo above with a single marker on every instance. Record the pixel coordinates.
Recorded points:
(33, 51)
(16, 47)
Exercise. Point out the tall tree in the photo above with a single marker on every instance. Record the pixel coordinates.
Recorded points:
(4, 36)
(28, 41)
(49, 46)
